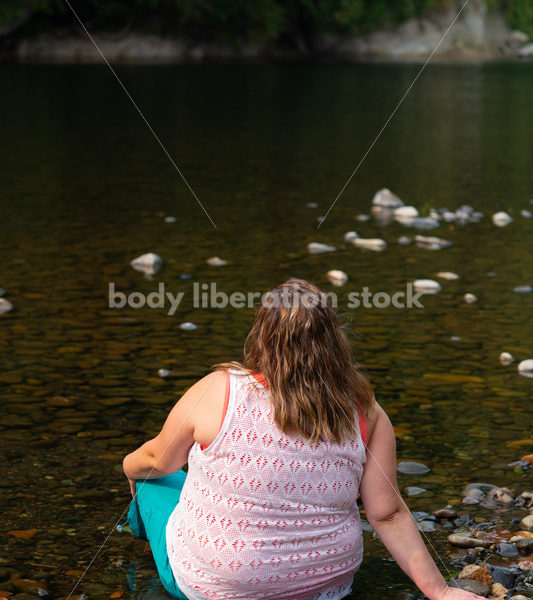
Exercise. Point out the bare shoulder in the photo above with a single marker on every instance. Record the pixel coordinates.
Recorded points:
(205, 400)
(376, 414)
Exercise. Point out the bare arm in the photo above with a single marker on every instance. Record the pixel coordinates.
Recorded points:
(391, 519)
(169, 450)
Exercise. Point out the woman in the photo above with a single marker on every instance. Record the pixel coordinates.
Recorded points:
(278, 451)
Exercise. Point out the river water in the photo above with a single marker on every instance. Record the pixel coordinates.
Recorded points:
(85, 188)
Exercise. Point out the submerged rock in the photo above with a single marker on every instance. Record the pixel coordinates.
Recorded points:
(318, 248)
(412, 468)
(523, 289)
(375, 244)
(312, 204)
(336, 277)
(386, 199)
(431, 242)
(148, 263)
(188, 326)
(170, 219)
(470, 298)
(363, 218)
(405, 212)
(501, 219)
(404, 240)
(427, 286)
(163, 372)
(215, 261)
(526, 213)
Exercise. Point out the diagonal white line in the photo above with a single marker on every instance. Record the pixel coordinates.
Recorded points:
(390, 483)
(140, 488)
(393, 113)
(140, 113)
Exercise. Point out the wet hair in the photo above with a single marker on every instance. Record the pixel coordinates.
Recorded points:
(298, 345)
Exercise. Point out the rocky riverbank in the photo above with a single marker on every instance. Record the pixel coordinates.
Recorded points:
(478, 34)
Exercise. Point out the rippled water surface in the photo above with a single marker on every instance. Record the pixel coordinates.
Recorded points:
(85, 189)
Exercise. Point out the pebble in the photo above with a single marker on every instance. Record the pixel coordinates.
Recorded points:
(350, 236)
(185, 276)
(363, 218)
(470, 298)
(525, 546)
(505, 549)
(170, 219)
(421, 222)
(471, 585)
(448, 275)
(527, 523)
(215, 261)
(526, 213)
(386, 199)
(404, 240)
(463, 540)
(5, 306)
(427, 286)
(414, 491)
(312, 204)
(375, 244)
(405, 213)
(163, 372)
(431, 242)
(448, 216)
(501, 219)
(412, 468)
(523, 289)
(336, 277)
(445, 513)
(506, 358)
(188, 326)
(318, 248)
(148, 263)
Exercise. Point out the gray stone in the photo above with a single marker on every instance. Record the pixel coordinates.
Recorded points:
(471, 585)
(412, 468)
(463, 540)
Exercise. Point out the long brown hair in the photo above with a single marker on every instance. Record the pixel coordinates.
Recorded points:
(297, 344)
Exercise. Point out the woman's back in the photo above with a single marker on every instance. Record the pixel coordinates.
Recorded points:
(266, 515)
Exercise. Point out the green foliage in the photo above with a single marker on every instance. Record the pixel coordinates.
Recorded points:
(293, 21)
(520, 14)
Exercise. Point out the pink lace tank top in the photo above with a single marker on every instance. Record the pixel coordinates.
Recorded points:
(263, 515)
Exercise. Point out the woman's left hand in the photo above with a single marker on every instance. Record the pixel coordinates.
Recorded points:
(132, 483)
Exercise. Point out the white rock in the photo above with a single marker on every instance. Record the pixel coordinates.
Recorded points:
(404, 240)
(420, 222)
(350, 236)
(318, 248)
(363, 218)
(336, 277)
(163, 372)
(447, 275)
(506, 358)
(431, 242)
(470, 298)
(526, 51)
(375, 244)
(405, 212)
(526, 366)
(386, 199)
(215, 261)
(526, 213)
(501, 219)
(188, 326)
(427, 286)
(448, 216)
(148, 263)
(5, 306)
(170, 219)
(523, 289)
